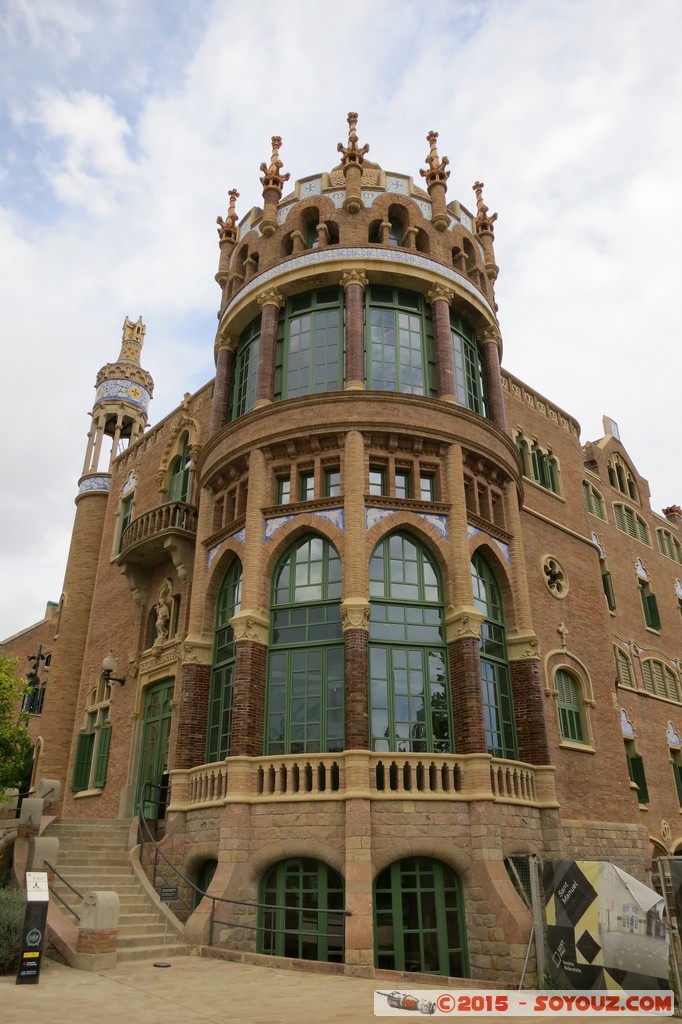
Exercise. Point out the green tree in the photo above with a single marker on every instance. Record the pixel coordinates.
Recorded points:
(15, 743)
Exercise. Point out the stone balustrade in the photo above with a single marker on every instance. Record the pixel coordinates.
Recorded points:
(173, 517)
(365, 775)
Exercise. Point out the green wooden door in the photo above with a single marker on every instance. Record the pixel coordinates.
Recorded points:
(154, 746)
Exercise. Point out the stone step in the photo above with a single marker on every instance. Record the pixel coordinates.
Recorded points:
(135, 928)
(152, 953)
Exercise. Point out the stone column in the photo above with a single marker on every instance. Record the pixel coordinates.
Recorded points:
(463, 620)
(490, 344)
(440, 299)
(270, 303)
(355, 607)
(523, 649)
(358, 872)
(225, 357)
(353, 283)
(251, 625)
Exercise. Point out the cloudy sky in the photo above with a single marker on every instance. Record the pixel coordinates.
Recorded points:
(123, 123)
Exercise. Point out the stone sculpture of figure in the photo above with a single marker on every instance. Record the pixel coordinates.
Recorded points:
(163, 611)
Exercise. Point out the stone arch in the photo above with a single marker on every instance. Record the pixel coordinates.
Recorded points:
(434, 847)
(183, 425)
(421, 530)
(301, 525)
(290, 848)
(231, 551)
(501, 572)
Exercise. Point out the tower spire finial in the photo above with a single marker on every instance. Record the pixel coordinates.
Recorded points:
(436, 170)
(484, 223)
(227, 229)
(132, 340)
(272, 178)
(352, 153)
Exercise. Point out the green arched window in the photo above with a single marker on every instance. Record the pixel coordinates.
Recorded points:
(245, 381)
(178, 488)
(222, 676)
(419, 919)
(409, 691)
(468, 373)
(400, 354)
(310, 345)
(303, 912)
(305, 707)
(568, 706)
(498, 707)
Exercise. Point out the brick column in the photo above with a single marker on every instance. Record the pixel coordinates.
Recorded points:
(354, 282)
(223, 384)
(191, 710)
(462, 620)
(355, 607)
(523, 649)
(270, 303)
(490, 344)
(440, 299)
(251, 624)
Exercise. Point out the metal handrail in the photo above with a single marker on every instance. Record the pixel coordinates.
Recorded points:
(144, 827)
(68, 886)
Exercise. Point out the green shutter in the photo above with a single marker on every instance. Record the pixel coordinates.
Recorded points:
(636, 771)
(677, 772)
(618, 516)
(81, 765)
(102, 756)
(652, 616)
(607, 583)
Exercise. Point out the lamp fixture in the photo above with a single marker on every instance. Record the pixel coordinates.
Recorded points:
(108, 668)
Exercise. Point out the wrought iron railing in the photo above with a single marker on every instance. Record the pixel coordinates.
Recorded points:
(68, 885)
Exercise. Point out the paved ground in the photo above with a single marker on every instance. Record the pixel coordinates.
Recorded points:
(196, 991)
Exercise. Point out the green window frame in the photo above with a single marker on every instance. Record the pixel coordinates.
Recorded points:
(636, 771)
(568, 706)
(377, 480)
(85, 745)
(409, 677)
(623, 669)
(498, 704)
(469, 386)
(594, 503)
(676, 759)
(178, 486)
(399, 348)
(544, 469)
(660, 680)
(221, 692)
(302, 911)
(403, 483)
(305, 677)
(649, 606)
(629, 522)
(427, 487)
(332, 482)
(607, 584)
(246, 370)
(669, 545)
(125, 518)
(309, 355)
(419, 922)
(283, 490)
(92, 752)
(306, 486)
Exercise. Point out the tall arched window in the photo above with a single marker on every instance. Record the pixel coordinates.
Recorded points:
(246, 371)
(419, 919)
(222, 676)
(302, 913)
(409, 691)
(399, 346)
(305, 708)
(468, 372)
(498, 707)
(178, 487)
(310, 345)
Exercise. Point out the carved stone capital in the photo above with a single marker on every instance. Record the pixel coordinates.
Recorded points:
(228, 343)
(354, 277)
(463, 621)
(197, 650)
(271, 297)
(355, 613)
(522, 645)
(249, 624)
(490, 336)
(439, 291)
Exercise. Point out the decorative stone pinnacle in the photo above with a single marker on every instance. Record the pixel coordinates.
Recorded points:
(271, 175)
(436, 170)
(352, 154)
(227, 229)
(132, 340)
(484, 223)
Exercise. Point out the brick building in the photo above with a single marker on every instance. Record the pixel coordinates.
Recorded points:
(381, 616)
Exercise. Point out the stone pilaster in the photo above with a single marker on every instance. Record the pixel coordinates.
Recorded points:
(225, 357)
(490, 343)
(354, 282)
(270, 303)
(355, 606)
(440, 299)
(358, 875)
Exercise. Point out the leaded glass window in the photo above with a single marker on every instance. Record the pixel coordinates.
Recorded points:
(246, 371)
(498, 706)
(302, 913)
(310, 345)
(400, 353)
(222, 675)
(468, 373)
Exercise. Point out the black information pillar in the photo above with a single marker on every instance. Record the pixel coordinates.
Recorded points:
(35, 926)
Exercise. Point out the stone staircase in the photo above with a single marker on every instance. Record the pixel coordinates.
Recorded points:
(93, 855)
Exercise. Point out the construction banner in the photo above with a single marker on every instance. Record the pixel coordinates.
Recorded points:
(604, 928)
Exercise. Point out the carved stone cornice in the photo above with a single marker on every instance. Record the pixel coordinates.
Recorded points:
(439, 291)
(271, 297)
(249, 624)
(355, 613)
(463, 621)
(522, 645)
(354, 277)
